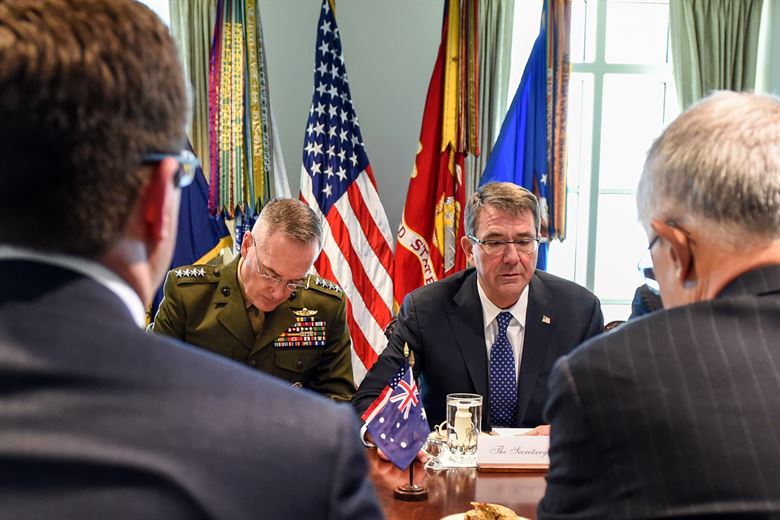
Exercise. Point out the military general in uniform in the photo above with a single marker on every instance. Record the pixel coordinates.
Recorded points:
(263, 310)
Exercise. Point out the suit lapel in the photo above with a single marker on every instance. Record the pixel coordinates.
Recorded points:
(467, 323)
(539, 326)
(229, 306)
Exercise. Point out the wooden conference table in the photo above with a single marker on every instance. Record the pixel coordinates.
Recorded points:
(451, 490)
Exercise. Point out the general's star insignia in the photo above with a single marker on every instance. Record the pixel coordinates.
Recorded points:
(190, 272)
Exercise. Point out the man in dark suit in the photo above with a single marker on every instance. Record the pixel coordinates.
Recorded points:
(452, 325)
(674, 415)
(100, 419)
(646, 300)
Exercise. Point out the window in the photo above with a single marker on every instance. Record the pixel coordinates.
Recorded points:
(621, 95)
(161, 8)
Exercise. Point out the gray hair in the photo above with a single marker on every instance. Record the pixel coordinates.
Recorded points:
(293, 218)
(503, 196)
(718, 164)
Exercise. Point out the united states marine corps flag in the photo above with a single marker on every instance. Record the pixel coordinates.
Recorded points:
(428, 247)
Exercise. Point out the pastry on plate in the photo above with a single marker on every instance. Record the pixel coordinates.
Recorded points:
(487, 511)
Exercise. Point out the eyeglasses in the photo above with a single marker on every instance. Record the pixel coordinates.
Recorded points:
(522, 246)
(646, 269)
(645, 264)
(293, 285)
(188, 165)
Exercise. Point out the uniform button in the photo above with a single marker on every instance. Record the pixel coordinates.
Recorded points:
(299, 363)
(226, 291)
(292, 296)
(216, 272)
(253, 363)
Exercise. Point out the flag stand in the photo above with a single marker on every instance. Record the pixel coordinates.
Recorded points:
(410, 492)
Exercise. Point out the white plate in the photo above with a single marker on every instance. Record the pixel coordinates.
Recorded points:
(461, 516)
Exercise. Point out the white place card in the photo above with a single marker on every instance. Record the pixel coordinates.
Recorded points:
(508, 450)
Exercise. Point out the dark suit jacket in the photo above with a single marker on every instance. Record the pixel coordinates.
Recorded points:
(442, 323)
(645, 301)
(673, 415)
(99, 419)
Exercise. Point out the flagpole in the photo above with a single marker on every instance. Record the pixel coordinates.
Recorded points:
(410, 492)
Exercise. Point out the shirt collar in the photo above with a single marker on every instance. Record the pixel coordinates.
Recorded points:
(490, 310)
(89, 268)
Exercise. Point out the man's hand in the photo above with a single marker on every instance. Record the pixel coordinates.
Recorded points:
(542, 429)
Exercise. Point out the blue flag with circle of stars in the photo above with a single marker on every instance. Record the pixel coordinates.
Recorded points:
(399, 425)
(520, 152)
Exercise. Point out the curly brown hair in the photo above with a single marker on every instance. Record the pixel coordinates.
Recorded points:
(86, 88)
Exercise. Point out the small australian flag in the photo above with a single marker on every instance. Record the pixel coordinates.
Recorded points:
(397, 419)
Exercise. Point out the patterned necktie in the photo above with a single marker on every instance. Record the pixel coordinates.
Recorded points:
(503, 379)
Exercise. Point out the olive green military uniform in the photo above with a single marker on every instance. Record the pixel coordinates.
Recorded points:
(304, 341)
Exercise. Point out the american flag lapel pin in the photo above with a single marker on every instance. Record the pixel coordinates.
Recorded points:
(545, 319)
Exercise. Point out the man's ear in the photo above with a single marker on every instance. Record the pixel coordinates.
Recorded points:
(680, 251)
(246, 242)
(468, 248)
(157, 194)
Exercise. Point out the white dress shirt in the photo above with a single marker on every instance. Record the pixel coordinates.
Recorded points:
(98, 272)
(516, 330)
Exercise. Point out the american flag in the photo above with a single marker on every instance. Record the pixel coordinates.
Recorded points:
(397, 421)
(381, 401)
(337, 182)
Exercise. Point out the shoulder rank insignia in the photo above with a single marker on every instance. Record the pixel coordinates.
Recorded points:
(304, 312)
(194, 272)
(327, 284)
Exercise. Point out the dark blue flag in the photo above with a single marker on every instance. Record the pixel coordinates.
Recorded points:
(200, 237)
(396, 420)
(520, 152)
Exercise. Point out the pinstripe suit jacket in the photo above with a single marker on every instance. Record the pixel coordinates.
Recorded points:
(675, 415)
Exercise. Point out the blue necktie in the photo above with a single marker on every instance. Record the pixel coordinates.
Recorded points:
(503, 379)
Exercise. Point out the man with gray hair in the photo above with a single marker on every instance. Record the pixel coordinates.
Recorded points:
(99, 419)
(494, 329)
(263, 309)
(674, 415)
